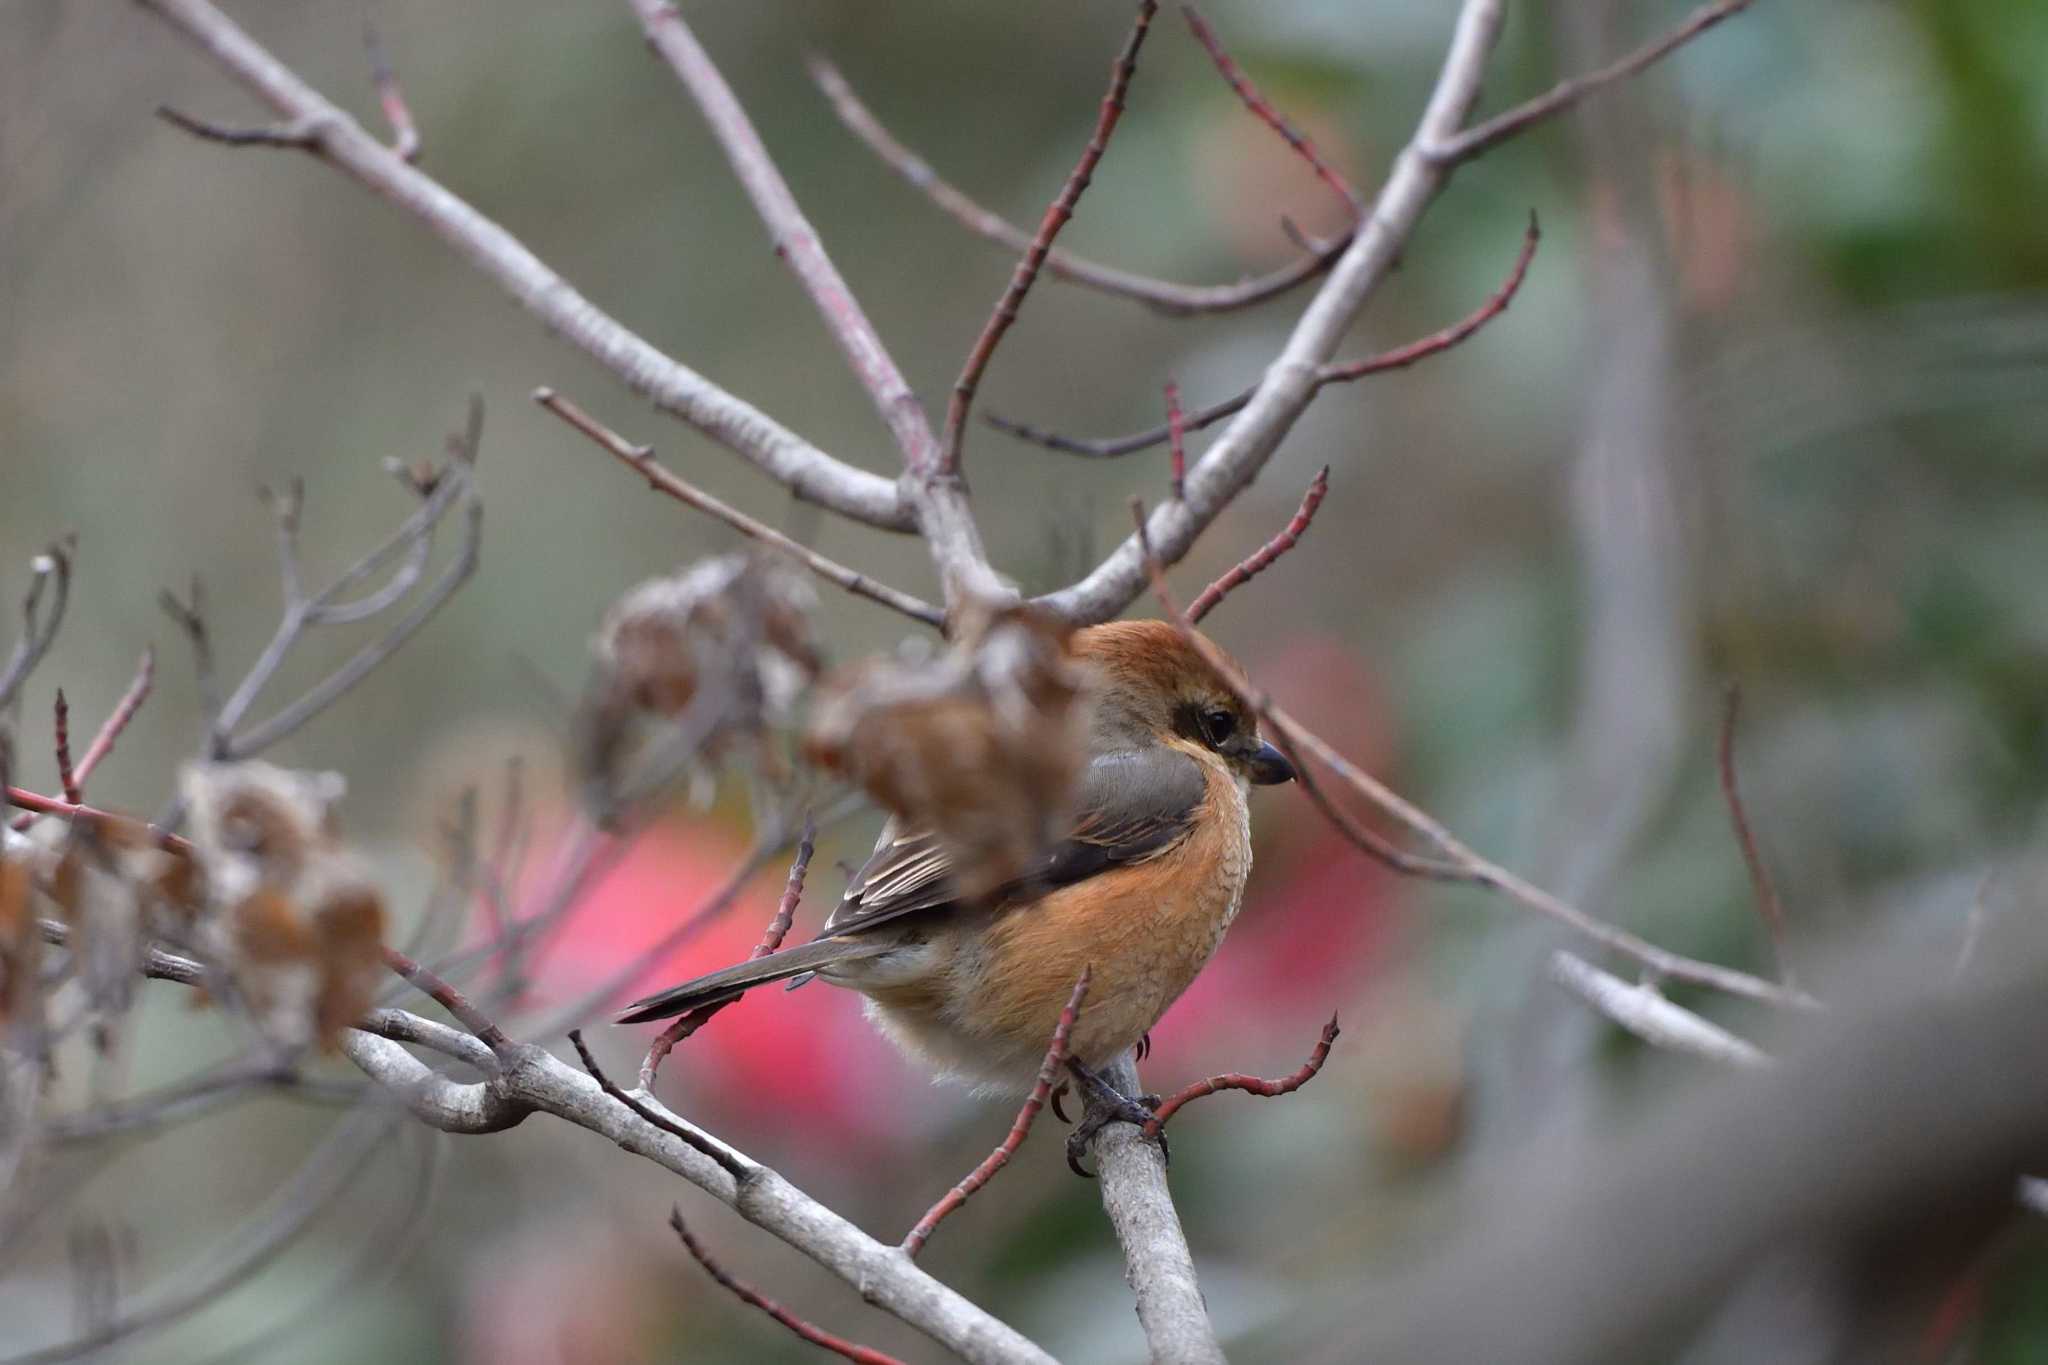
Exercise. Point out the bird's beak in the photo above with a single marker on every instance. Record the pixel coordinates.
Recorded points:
(1269, 767)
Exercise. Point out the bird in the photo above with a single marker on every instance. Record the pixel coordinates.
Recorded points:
(1139, 892)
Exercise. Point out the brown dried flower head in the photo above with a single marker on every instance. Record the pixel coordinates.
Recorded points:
(289, 914)
(982, 745)
(738, 623)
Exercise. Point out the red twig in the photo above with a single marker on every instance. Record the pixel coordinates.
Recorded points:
(1176, 438)
(61, 724)
(117, 720)
(1264, 110)
(69, 810)
(1056, 216)
(1767, 903)
(405, 134)
(449, 998)
(817, 1336)
(1400, 357)
(1048, 1075)
(771, 939)
(1262, 559)
(1251, 1085)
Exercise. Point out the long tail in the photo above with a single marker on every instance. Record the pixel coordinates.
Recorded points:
(735, 981)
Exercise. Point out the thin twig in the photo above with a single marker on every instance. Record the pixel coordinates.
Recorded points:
(92, 815)
(771, 938)
(1250, 1085)
(1261, 559)
(1048, 1074)
(1166, 296)
(1483, 137)
(1056, 217)
(1400, 357)
(1176, 441)
(1458, 863)
(117, 720)
(50, 569)
(299, 134)
(1768, 905)
(1263, 109)
(405, 134)
(739, 1170)
(663, 480)
(817, 1336)
(1643, 1011)
(450, 999)
(67, 779)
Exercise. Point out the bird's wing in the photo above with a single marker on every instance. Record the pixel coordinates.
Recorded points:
(1131, 805)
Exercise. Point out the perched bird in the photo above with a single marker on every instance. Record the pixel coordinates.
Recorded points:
(1140, 891)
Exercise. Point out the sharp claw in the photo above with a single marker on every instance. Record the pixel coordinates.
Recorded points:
(1107, 1105)
(1057, 1101)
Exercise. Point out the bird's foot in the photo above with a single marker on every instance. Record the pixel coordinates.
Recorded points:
(1106, 1105)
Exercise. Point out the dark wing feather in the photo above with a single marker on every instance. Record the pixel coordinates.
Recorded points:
(1131, 806)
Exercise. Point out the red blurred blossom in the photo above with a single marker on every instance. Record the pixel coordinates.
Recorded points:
(1319, 919)
(776, 1054)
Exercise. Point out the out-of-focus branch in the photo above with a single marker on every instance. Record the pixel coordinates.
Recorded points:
(641, 459)
(1020, 1128)
(1399, 358)
(930, 483)
(1766, 892)
(1166, 296)
(1419, 173)
(1250, 1085)
(753, 1297)
(1261, 559)
(1057, 215)
(787, 458)
(1643, 1011)
(405, 134)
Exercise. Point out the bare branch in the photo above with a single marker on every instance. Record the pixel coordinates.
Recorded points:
(1251, 1085)
(663, 480)
(937, 497)
(738, 1169)
(1166, 296)
(450, 999)
(1056, 217)
(1020, 1128)
(784, 456)
(1161, 1270)
(301, 134)
(118, 719)
(1262, 558)
(1768, 905)
(1644, 1011)
(1292, 380)
(771, 938)
(817, 1336)
(1401, 357)
(1263, 109)
(1484, 137)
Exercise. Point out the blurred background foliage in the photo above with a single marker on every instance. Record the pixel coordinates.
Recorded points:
(1769, 409)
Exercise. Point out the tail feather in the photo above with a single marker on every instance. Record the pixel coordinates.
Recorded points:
(735, 981)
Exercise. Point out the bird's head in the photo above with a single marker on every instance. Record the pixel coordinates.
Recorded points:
(1149, 685)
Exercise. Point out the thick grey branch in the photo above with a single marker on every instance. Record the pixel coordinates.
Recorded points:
(338, 139)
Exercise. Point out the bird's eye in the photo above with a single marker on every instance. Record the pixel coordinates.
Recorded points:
(1218, 726)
